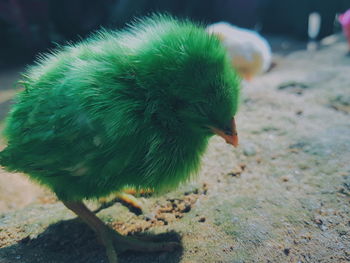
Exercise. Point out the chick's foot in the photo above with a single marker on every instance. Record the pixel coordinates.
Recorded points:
(112, 240)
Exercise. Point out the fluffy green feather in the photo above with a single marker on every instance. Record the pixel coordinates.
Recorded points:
(125, 108)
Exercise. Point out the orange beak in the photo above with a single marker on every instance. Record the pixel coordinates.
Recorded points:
(229, 138)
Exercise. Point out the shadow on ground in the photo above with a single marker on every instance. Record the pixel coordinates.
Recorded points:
(73, 241)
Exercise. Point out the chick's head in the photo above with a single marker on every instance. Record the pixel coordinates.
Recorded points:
(189, 82)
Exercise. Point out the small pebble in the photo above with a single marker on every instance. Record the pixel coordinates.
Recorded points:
(285, 179)
(202, 219)
(249, 149)
(286, 251)
(236, 171)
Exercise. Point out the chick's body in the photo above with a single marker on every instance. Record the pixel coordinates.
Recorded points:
(121, 109)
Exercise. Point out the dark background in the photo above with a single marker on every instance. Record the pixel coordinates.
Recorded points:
(31, 26)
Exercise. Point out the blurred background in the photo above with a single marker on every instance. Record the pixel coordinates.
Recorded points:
(31, 26)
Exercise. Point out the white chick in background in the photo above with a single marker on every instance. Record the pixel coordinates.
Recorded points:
(250, 53)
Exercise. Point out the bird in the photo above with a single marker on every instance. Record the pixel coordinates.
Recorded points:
(123, 108)
(250, 53)
(344, 20)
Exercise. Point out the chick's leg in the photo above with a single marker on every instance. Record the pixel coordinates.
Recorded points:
(111, 239)
(96, 225)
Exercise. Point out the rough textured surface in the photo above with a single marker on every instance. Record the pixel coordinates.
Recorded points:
(282, 196)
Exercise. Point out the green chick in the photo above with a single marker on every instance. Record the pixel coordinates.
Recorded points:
(132, 108)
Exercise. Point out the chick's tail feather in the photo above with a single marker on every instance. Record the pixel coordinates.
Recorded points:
(4, 159)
